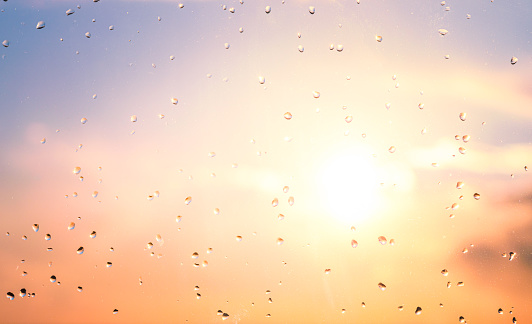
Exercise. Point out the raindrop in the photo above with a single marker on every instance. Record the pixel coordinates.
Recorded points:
(287, 115)
(378, 38)
(10, 296)
(5, 43)
(88, 35)
(462, 116)
(178, 219)
(312, 10)
(459, 185)
(53, 279)
(301, 48)
(418, 310)
(226, 45)
(195, 255)
(212, 154)
(188, 200)
(354, 243)
(76, 170)
(280, 241)
(80, 289)
(35, 227)
(388, 105)
(462, 150)
(149, 245)
(421, 106)
(238, 238)
(268, 9)
(240, 30)
(340, 47)
(460, 284)
(327, 271)
(181, 6)
(115, 311)
(443, 32)
(216, 211)
(466, 138)
(382, 286)
(391, 149)
(71, 226)
(476, 196)
(275, 202)
(348, 119)
(461, 319)
(43, 140)
(80, 250)
(174, 101)
(262, 80)
(445, 272)
(280, 217)
(382, 240)
(69, 12)
(95, 194)
(83, 120)
(112, 27)
(291, 201)
(133, 118)
(109, 264)
(285, 189)
(511, 256)
(24, 237)
(400, 308)
(513, 60)
(500, 311)
(315, 94)
(40, 25)
(92, 234)
(22, 292)
(48, 237)
(331, 47)
(225, 316)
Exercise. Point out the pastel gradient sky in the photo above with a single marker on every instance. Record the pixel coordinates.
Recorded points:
(378, 153)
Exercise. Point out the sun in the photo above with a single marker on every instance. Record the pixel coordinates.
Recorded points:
(349, 184)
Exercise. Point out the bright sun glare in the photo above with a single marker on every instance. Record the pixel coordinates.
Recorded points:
(350, 185)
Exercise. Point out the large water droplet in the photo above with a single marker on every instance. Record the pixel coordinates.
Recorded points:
(40, 25)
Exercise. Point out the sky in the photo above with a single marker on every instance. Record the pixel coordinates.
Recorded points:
(285, 167)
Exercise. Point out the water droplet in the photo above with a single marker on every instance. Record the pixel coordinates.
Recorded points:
(382, 240)
(188, 200)
(327, 271)
(10, 295)
(95, 194)
(340, 47)
(173, 100)
(418, 310)
(461, 319)
(280, 241)
(391, 149)
(312, 10)
(268, 9)
(88, 35)
(275, 202)
(363, 304)
(225, 316)
(24, 237)
(35, 227)
(301, 48)
(22, 292)
(459, 185)
(382, 286)
(462, 150)
(462, 116)
(5, 43)
(53, 279)
(240, 30)
(238, 238)
(71, 226)
(83, 120)
(287, 115)
(315, 94)
(178, 219)
(92, 234)
(291, 201)
(48, 237)
(476, 196)
(443, 32)
(421, 106)
(262, 80)
(348, 119)
(212, 154)
(500, 311)
(40, 25)
(108, 264)
(388, 105)
(378, 38)
(226, 45)
(69, 12)
(511, 256)
(460, 284)
(444, 272)
(466, 138)
(133, 118)
(331, 47)
(115, 311)
(514, 320)
(112, 27)
(216, 211)
(280, 217)
(181, 6)
(80, 250)
(285, 189)
(513, 60)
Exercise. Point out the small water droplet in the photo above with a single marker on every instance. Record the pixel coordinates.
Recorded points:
(115, 311)
(392, 149)
(133, 118)
(462, 116)
(22, 292)
(461, 319)
(225, 316)
(238, 238)
(83, 120)
(88, 35)
(382, 286)
(181, 6)
(315, 94)
(280, 217)
(95, 194)
(340, 47)
(300, 48)
(188, 200)
(92, 234)
(48, 237)
(348, 119)
(500, 311)
(280, 241)
(476, 196)
(421, 106)
(212, 154)
(10, 295)
(382, 240)
(174, 101)
(312, 10)
(445, 272)
(108, 264)
(53, 279)
(80, 250)
(5, 43)
(513, 60)
(40, 25)
(443, 32)
(327, 271)
(71, 226)
(216, 211)
(275, 202)
(69, 12)
(226, 45)
(418, 310)
(511, 256)
(35, 227)
(388, 105)
(287, 115)
(268, 9)
(262, 80)
(112, 27)
(462, 150)
(291, 201)
(285, 189)
(378, 38)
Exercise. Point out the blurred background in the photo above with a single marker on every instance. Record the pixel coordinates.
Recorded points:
(266, 161)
